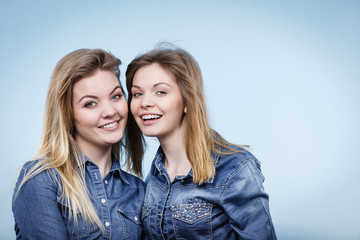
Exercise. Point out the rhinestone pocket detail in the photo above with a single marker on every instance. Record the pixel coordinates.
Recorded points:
(145, 211)
(191, 212)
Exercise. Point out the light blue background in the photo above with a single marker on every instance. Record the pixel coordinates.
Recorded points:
(282, 76)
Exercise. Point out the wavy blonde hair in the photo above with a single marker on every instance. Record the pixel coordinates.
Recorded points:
(200, 139)
(57, 149)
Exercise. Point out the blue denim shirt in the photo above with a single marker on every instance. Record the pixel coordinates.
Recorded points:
(233, 205)
(40, 213)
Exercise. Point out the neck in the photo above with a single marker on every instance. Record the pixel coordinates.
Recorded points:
(176, 161)
(101, 156)
(102, 159)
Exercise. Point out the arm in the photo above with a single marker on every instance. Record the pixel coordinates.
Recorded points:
(246, 203)
(35, 209)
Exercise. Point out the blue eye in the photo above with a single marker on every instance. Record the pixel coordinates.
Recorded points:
(90, 104)
(160, 93)
(136, 94)
(117, 96)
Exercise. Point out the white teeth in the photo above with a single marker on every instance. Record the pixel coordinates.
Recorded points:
(150, 116)
(109, 125)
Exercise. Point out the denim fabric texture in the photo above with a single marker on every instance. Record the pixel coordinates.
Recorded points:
(40, 212)
(232, 205)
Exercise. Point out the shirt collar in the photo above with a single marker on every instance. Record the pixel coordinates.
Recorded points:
(115, 167)
(159, 163)
(159, 160)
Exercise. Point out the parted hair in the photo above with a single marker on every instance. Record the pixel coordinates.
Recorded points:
(200, 139)
(57, 149)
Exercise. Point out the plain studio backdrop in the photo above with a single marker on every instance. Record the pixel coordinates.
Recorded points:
(281, 76)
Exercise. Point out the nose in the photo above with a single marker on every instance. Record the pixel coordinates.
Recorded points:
(108, 110)
(147, 101)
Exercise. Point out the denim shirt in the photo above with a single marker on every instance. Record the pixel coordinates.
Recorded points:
(40, 212)
(232, 205)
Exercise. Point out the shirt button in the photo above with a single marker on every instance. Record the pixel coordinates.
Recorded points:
(135, 218)
(106, 182)
(107, 224)
(103, 200)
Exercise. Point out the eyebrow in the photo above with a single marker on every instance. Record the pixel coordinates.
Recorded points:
(95, 97)
(155, 85)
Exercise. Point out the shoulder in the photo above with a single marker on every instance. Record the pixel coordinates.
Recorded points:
(33, 182)
(36, 169)
(33, 175)
(236, 159)
(242, 165)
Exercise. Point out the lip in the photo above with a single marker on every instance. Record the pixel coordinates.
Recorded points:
(113, 126)
(150, 122)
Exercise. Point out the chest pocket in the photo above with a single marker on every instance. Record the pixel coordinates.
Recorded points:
(145, 219)
(131, 224)
(192, 220)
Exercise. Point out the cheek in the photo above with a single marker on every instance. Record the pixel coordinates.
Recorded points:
(78, 118)
(85, 118)
(178, 107)
(133, 107)
(123, 109)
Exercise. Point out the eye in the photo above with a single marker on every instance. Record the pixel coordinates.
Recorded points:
(117, 96)
(89, 104)
(161, 92)
(137, 94)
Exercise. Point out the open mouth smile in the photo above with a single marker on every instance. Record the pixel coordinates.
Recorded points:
(110, 126)
(148, 117)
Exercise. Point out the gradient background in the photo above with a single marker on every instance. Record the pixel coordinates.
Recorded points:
(282, 76)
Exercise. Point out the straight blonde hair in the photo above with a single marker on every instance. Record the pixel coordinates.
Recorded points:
(57, 149)
(200, 139)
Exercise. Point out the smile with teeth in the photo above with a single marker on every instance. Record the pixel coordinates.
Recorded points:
(110, 125)
(150, 117)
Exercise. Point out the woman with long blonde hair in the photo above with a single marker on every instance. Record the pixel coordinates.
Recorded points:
(199, 186)
(75, 187)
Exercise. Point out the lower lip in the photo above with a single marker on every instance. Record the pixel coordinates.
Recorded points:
(112, 128)
(149, 122)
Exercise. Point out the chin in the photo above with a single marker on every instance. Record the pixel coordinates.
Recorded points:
(149, 134)
(113, 141)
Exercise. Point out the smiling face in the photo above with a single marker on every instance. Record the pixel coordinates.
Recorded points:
(157, 103)
(99, 110)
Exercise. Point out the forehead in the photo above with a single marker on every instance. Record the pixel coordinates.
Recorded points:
(153, 74)
(99, 82)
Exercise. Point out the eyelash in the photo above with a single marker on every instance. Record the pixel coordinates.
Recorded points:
(137, 94)
(160, 92)
(117, 96)
(92, 103)
(89, 104)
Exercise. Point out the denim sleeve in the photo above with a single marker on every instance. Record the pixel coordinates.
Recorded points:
(246, 203)
(35, 209)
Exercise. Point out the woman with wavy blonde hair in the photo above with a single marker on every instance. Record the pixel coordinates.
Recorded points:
(199, 186)
(75, 188)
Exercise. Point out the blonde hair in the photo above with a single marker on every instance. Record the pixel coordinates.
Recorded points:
(200, 139)
(57, 149)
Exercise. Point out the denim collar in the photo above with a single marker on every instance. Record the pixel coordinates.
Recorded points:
(115, 167)
(159, 163)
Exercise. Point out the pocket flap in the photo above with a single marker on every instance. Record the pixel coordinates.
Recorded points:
(132, 215)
